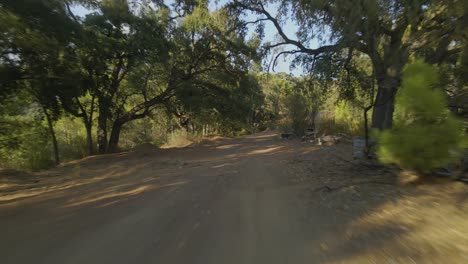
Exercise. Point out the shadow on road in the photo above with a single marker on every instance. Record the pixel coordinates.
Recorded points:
(254, 199)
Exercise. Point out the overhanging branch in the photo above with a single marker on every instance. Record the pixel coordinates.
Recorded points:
(260, 9)
(282, 53)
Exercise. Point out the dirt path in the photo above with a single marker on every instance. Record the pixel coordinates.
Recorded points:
(256, 199)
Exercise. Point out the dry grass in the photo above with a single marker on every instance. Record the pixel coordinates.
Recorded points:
(380, 215)
(181, 138)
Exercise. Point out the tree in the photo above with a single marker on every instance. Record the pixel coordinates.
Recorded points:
(117, 42)
(426, 136)
(138, 59)
(37, 57)
(386, 31)
(358, 88)
(124, 60)
(210, 77)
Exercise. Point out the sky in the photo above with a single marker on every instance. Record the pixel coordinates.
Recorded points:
(271, 35)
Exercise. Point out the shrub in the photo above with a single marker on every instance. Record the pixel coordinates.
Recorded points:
(349, 118)
(32, 150)
(36, 150)
(298, 112)
(71, 137)
(425, 135)
(25, 143)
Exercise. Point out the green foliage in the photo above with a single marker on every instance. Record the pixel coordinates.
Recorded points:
(153, 130)
(35, 150)
(355, 93)
(122, 62)
(348, 118)
(339, 115)
(24, 139)
(388, 32)
(71, 137)
(298, 111)
(426, 135)
(274, 87)
(133, 73)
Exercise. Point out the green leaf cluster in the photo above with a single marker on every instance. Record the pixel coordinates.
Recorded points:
(426, 136)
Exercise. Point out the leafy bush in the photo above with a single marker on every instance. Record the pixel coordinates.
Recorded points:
(339, 115)
(343, 117)
(349, 118)
(71, 137)
(36, 150)
(29, 149)
(425, 135)
(24, 139)
(298, 112)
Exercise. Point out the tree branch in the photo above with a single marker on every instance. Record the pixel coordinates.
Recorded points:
(282, 53)
(286, 40)
(67, 4)
(256, 21)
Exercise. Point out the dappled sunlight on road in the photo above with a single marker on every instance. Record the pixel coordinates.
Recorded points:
(95, 197)
(249, 194)
(222, 165)
(56, 183)
(228, 146)
(113, 194)
(98, 172)
(263, 135)
(264, 151)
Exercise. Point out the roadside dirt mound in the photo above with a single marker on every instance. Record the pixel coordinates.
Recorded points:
(10, 175)
(146, 147)
(13, 180)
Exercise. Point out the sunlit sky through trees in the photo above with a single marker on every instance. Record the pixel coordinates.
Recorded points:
(283, 63)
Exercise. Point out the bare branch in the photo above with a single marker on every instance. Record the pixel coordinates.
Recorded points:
(276, 45)
(289, 52)
(261, 10)
(256, 21)
(67, 4)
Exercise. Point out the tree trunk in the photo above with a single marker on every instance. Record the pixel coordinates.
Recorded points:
(366, 131)
(89, 127)
(115, 136)
(382, 115)
(87, 121)
(104, 105)
(54, 138)
(134, 114)
(102, 134)
(117, 128)
(89, 137)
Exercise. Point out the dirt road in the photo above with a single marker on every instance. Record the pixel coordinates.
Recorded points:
(255, 199)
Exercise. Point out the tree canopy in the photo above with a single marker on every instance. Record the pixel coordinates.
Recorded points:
(199, 67)
(389, 32)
